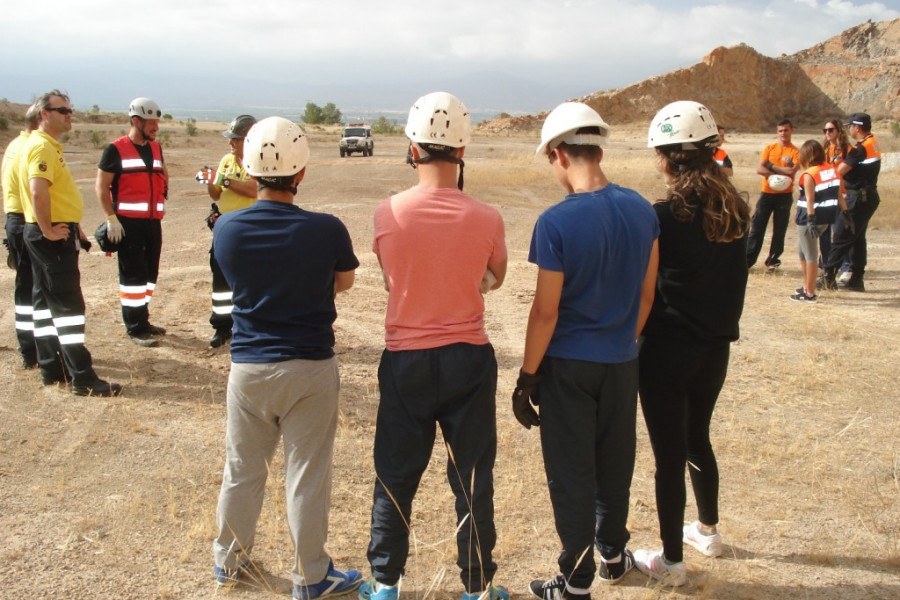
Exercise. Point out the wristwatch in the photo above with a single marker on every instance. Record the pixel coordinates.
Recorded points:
(226, 182)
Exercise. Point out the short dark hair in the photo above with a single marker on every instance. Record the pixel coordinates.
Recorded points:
(784, 122)
(583, 152)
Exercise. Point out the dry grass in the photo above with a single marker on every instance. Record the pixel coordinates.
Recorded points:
(116, 498)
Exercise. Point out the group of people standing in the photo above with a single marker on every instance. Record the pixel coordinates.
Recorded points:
(679, 271)
(838, 194)
(632, 300)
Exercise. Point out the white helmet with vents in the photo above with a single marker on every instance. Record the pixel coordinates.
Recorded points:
(440, 119)
(779, 183)
(144, 108)
(684, 122)
(275, 147)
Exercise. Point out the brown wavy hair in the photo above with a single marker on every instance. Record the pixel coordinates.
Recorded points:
(843, 142)
(697, 184)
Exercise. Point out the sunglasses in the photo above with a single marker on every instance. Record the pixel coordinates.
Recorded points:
(829, 130)
(63, 110)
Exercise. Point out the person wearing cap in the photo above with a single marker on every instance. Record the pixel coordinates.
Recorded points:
(53, 208)
(596, 253)
(438, 249)
(231, 188)
(859, 170)
(18, 254)
(777, 166)
(285, 265)
(700, 288)
(132, 186)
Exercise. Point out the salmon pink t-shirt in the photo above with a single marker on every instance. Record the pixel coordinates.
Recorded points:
(434, 246)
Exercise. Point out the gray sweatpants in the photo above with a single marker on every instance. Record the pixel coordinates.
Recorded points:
(296, 401)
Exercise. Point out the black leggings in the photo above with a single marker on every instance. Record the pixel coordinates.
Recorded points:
(680, 380)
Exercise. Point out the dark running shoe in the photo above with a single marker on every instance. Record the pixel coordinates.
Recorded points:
(554, 589)
(612, 572)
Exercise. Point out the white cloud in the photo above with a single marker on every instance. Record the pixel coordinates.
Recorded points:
(596, 44)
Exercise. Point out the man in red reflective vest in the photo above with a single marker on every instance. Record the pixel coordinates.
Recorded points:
(132, 184)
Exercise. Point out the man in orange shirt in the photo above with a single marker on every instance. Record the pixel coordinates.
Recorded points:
(777, 166)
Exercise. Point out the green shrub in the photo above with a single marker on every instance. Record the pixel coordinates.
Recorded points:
(191, 127)
(383, 125)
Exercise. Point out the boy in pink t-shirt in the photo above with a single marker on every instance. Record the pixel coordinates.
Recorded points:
(438, 248)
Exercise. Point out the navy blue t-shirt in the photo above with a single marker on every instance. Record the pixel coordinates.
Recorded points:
(601, 241)
(279, 261)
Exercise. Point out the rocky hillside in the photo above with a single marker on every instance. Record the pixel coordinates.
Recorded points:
(856, 70)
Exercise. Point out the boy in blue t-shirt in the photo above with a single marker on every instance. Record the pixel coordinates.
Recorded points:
(285, 266)
(597, 256)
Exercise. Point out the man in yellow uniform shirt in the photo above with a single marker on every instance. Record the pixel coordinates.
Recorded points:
(15, 225)
(232, 189)
(53, 209)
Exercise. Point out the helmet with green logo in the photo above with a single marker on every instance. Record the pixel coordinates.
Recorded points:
(684, 122)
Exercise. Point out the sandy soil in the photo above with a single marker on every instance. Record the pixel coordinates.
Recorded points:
(115, 498)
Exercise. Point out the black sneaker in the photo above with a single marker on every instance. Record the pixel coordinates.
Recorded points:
(222, 336)
(48, 379)
(554, 589)
(853, 286)
(29, 362)
(143, 339)
(804, 298)
(772, 266)
(612, 572)
(154, 330)
(98, 388)
(830, 282)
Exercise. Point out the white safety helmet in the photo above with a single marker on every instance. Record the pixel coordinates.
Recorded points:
(275, 147)
(439, 118)
(567, 118)
(779, 183)
(144, 108)
(684, 122)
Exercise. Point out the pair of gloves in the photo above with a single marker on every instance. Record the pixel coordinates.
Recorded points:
(114, 230)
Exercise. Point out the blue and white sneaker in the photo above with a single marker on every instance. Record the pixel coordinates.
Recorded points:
(494, 592)
(230, 577)
(335, 583)
(367, 591)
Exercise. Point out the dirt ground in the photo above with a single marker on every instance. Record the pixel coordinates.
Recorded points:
(115, 498)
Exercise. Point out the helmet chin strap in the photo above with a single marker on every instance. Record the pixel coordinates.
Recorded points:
(411, 160)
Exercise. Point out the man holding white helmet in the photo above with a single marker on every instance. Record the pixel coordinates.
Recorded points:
(285, 265)
(132, 186)
(777, 166)
(436, 245)
(597, 255)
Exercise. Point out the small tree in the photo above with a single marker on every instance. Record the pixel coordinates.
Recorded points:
(191, 127)
(95, 109)
(383, 125)
(313, 114)
(331, 114)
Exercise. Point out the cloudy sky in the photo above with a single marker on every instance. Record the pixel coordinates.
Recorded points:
(185, 53)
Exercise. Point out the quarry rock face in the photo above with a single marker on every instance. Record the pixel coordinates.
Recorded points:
(858, 70)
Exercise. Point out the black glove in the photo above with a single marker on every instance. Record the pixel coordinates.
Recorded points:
(811, 228)
(85, 244)
(213, 215)
(525, 398)
(848, 221)
(10, 261)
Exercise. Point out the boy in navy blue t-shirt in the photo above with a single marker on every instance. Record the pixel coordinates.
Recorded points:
(285, 266)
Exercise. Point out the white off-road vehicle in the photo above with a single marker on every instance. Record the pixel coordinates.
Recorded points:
(357, 138)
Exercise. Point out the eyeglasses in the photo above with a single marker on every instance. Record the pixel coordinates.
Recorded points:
(829, 130)
(63, 110)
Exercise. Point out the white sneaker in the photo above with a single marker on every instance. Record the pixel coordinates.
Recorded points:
(654, 564)
(845, 276)
(708, 545)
